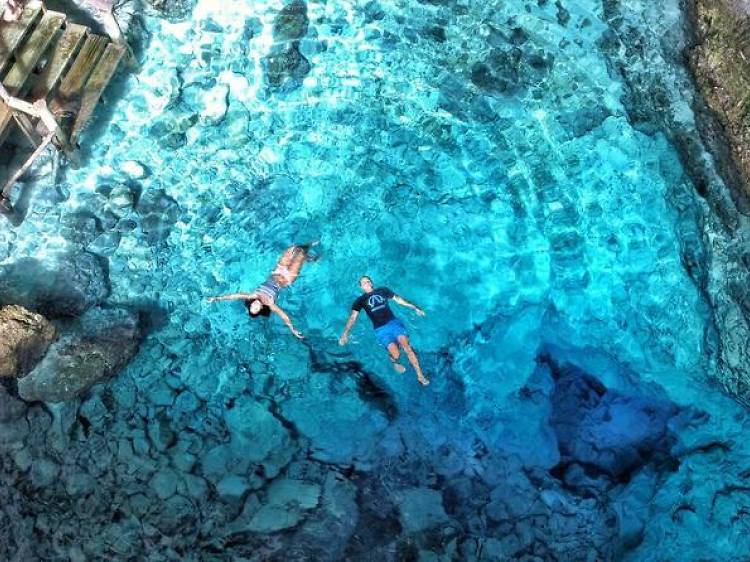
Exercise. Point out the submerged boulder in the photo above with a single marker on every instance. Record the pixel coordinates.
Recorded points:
(11, 408)
(91, 349)
(605, 430)
(285, 506)
(291, 22)
(173, 10)
(421, 509)
(287, 67)
(66, 287)
(24, 339)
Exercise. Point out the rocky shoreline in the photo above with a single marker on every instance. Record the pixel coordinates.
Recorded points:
(719, 60)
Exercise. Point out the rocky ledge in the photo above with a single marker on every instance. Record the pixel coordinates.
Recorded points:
(720, 62)
(24, 339)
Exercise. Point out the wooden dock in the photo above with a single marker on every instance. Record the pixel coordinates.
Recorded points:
(52, 74)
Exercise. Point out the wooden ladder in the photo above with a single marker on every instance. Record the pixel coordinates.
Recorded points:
(52, 75)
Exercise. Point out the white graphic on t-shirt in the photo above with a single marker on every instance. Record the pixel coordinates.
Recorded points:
(376, 302)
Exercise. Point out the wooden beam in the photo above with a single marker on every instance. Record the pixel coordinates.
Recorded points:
(13, 33)
(5, 194)
(27, 128)
(33, 49)
(6, 117)
(96, 85)
(41, 111)
(63, 55)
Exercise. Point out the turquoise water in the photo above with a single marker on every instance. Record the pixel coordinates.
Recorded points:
(478, 159)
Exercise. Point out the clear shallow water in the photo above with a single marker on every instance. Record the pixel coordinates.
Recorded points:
(478, 159)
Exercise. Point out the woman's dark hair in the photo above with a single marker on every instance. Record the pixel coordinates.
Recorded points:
(264, 310)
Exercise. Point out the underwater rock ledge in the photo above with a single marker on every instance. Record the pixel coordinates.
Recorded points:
(716, 257)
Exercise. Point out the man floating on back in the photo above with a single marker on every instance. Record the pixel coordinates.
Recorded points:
(389, 330)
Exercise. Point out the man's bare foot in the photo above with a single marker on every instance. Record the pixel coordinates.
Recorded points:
(399, 368)
(424, 381)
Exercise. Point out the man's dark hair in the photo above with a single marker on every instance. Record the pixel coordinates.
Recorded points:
(365, 277)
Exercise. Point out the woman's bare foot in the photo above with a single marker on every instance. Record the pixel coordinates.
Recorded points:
(399, 368)
(424, 381)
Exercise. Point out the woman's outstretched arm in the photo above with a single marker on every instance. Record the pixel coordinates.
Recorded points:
(283, 315)
(233, 297)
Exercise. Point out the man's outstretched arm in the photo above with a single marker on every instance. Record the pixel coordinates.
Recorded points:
(403, 302)
(349, 323)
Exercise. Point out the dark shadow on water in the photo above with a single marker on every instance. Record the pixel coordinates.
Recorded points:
(368, 388)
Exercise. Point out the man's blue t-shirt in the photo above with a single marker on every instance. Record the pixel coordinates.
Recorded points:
(376, 306)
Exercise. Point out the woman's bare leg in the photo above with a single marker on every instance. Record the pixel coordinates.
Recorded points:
(286, 258)
(292, 260)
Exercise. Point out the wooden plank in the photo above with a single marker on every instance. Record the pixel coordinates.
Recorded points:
(72, 85)
(6, 116)
(27, 128)
(64, 52)
(28, 56)
(96, 85)
(5, 194)
(13, 33)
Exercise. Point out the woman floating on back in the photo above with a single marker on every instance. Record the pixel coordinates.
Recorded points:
(262, 301)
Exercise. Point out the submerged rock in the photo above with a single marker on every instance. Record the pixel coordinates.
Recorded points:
(291, 22)
(421, 509)
(287, 67)
(24, 339)
(92, 349)
(11, 408)
(287, 501)
(67, 286)
(159, 212)
(605, 430)
(173, 10)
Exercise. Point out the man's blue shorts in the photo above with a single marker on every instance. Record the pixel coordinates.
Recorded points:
(389, 333)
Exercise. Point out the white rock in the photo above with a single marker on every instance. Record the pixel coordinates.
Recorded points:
(134, 169)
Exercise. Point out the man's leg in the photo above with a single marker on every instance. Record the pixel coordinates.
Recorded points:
(394, 354)
(404, 341)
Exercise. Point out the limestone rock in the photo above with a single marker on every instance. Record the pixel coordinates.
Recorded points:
(66, 287)
(173, 10)
(10, 408)
(291, 22)
(232, 487)
(287, 501)
(421, 509)
(164, 483)
(96, 347)
(720, 62)
(286, 67)
(604, 429)
(259, 441)
(25, 338)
